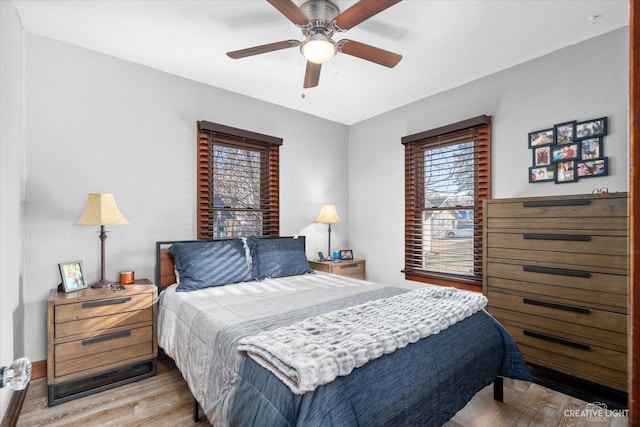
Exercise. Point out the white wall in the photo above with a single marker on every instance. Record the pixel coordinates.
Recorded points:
(99, 124)
(581, 82)
(11, 189)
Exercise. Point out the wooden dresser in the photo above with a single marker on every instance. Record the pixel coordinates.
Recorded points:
(355, 268)
(556, 276)
(99, 339)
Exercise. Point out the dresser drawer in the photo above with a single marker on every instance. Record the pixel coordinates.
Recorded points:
(550, 275)
(575, 367)
(589, 243)
(77, 327)
(587, 297)
(603, 263)
(560, 344)
(102, 307)
(617, 226)
(575, 356)
(597, 210)
(567, 312)
(573, 331)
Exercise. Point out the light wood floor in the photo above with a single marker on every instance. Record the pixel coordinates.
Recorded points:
(165, 400)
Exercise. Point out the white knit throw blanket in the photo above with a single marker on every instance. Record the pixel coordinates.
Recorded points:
(307, 354)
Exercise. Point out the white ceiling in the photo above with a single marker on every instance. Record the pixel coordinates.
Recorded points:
(444, 43)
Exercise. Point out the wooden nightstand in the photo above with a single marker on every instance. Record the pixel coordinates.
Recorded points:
(98, 339)
(355, 268)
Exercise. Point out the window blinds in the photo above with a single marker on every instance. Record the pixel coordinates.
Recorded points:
(447, 177)
(237, 183)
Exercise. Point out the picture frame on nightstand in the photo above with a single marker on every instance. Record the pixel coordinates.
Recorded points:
(346, 254)
(72, 276)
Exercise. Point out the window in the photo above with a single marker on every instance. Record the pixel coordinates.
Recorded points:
(446, 180)
(238, 183)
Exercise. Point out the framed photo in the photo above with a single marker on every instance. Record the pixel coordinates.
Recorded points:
(542, 156)
(566, 172)
(346, 254)
(591, 148)
(592, 168)
(591, 128)
(71, 275)
(565, 132)
(541, 137)
(542, 174)
(561, 153)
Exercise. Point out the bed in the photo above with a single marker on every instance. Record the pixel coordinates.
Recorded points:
(234, 315)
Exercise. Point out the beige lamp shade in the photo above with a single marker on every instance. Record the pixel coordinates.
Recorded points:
(328, 215)
(101, 209)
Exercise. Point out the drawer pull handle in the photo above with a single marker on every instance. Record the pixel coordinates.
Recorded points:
(109, 337)
(535, 203)
(570, 237)
(557, 271)
(556, 340)
(556, 305)
(349, 266)
(112, 301)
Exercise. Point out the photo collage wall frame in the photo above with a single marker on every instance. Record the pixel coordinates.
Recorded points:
(569, 151)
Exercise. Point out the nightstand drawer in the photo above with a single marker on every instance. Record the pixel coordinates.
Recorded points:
(104, 360)
(351, 269)
(103, 342)
(77, 327)
(355, 268)
(102, 307)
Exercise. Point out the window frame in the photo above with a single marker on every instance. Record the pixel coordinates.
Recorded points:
(210, 134)
(415, 144)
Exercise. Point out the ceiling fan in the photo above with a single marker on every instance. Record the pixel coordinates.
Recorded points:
(319, 20)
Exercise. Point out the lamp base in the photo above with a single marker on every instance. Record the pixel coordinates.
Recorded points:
(102, 283)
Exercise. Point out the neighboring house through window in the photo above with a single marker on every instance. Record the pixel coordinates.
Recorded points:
(447, 178)
(238, 183)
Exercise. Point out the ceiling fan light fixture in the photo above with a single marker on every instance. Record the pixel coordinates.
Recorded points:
(318, 49)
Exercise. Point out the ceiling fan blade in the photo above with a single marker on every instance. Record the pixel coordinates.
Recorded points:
(257, 50)
(312, 75)
(360, 12)
(370, 53)
(289, 9)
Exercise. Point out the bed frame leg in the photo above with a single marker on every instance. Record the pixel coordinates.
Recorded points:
(196, 411)
(498, 389)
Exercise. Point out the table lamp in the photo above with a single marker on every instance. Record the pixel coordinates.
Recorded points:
(101, 209)
(328, 215)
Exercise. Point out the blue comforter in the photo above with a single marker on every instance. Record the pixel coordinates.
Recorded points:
(425, 383)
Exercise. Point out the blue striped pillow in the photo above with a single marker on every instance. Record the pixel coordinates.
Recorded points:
(273, 257)
(207, 263)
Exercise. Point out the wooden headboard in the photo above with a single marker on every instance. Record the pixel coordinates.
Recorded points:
(165, 270)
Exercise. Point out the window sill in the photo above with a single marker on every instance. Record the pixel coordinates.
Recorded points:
(434, 279)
